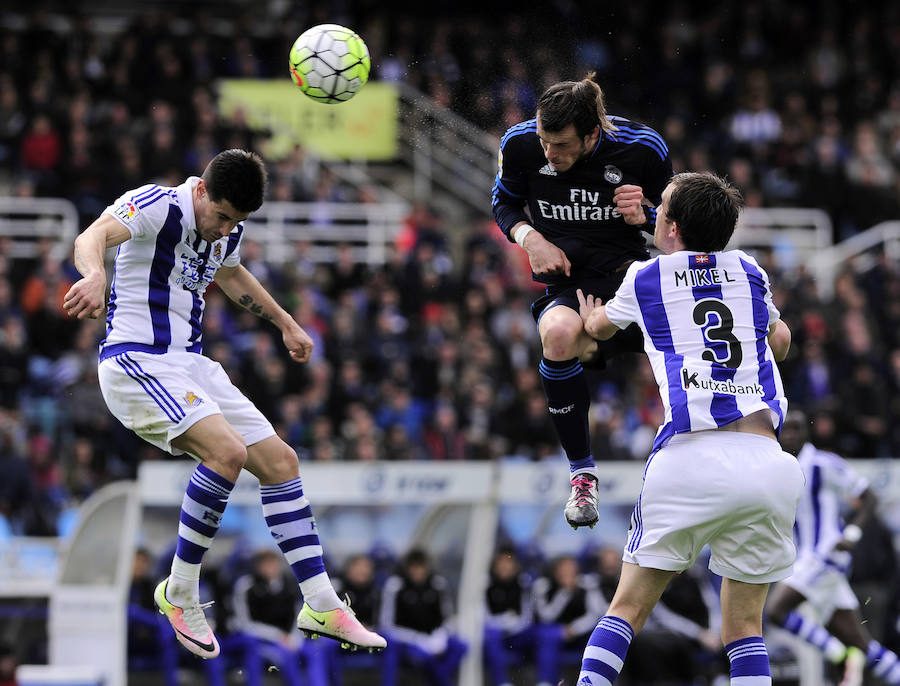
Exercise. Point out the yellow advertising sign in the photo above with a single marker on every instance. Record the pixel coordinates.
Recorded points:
(363, 128)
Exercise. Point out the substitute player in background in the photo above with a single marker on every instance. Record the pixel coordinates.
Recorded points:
(173, 242)
(717, 474)
(587, 179)
(824, 547)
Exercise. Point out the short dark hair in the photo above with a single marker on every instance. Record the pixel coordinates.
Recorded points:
(416, 556)
(706, 209)
(238, 177)
(574, 102)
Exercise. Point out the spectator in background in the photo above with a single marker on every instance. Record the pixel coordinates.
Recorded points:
(566, 605)
(416, 616)
(265, 611)
(509, 635)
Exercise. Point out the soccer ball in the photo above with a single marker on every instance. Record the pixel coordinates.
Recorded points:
(329, 63)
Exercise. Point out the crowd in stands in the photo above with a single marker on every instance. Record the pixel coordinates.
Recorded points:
(432, 356)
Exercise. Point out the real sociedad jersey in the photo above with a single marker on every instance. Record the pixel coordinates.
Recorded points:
(160, 274)
(830, 484)
(574, 209)
(705, 320)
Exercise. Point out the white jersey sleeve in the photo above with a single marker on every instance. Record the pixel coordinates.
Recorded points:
(841, 478)
(142, 211)
(774, 314)
(623, 308)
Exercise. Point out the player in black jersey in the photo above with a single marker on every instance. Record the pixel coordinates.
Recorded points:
(590, 182)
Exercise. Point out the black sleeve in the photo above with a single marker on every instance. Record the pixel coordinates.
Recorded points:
(510, 192)
(658, 173)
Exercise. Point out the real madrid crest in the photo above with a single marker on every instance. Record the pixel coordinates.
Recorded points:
(612, 174)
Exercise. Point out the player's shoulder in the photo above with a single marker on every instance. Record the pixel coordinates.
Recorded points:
(812, 454)
(632, 133)
(150, 201)
(520, 135)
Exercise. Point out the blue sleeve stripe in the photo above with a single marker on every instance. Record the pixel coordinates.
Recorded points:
(633, 128)
(499, 184)
(518, 130)
(140, 196)
(643, 139)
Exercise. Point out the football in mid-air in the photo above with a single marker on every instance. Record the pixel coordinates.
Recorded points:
(329, 63)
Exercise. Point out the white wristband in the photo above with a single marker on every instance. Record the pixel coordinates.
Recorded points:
(852, 533)
(521, 232)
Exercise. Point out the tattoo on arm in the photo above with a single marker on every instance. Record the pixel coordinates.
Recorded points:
(247, 302)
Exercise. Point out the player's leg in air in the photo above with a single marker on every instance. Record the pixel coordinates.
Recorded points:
(567, 351)
(568, 400)
(223, 454)
(842, 639)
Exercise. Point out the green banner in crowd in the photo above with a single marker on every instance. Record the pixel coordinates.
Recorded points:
(364, 128)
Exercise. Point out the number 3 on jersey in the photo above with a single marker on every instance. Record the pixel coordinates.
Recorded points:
(715, 333)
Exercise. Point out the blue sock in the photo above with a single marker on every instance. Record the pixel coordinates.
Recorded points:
(605, 652)
(815, 634)
(749, 662)
(884, 663)
(568, 400)
(292, 525)
(201, 511)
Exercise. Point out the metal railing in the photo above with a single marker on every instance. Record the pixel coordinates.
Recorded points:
(26, 222)
(314, 230)
(446, 150)
(826, 263)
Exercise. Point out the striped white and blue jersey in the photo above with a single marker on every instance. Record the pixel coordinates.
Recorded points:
(705, 320)
(831, 484)
(160, 274)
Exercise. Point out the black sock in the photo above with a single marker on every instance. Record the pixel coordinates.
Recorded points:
(568, 400)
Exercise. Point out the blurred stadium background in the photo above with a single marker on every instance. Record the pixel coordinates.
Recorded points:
(420, 420)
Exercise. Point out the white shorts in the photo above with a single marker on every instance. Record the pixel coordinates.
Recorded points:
(160, 396)
(825, 587)
(736, 492)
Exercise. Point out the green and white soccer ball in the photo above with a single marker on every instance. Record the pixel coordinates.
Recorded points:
(329, 63)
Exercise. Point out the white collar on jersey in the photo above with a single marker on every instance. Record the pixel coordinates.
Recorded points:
(186, 201)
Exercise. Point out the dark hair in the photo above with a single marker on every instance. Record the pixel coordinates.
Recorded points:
(574, 102)
(706, 209)
(416, 556)
(238, 177)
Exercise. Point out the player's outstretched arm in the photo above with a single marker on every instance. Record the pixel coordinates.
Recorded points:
(779, 340)
(244, 289)
(593, 314)
(87, 296)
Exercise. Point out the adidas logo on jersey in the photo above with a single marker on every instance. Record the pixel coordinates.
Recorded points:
(547, 170)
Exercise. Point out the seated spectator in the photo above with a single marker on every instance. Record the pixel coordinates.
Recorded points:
(265, 612)
(568, 606)
(416, 613)
(509, 631)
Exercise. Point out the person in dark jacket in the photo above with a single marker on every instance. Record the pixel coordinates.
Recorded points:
(416, 611)
(509, 629)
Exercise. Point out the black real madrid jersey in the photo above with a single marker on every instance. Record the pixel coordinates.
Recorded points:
(575, 209)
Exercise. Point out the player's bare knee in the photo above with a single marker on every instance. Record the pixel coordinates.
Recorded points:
(283, 464)
(230, 454)
(558, 339)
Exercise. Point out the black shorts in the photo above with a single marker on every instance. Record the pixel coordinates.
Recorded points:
(630, 339)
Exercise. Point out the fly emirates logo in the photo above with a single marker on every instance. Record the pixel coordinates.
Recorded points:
(582, 207)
